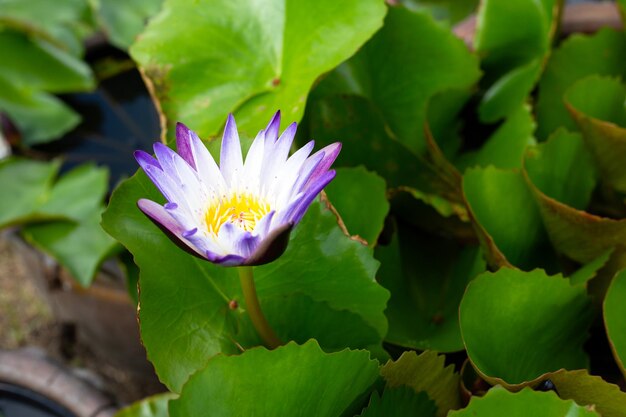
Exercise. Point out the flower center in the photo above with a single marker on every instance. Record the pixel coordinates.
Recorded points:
(241, 209)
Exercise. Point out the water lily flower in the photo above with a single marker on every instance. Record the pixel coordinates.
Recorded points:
(240, 213)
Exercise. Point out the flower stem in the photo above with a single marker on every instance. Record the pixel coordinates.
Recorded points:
(261, 325)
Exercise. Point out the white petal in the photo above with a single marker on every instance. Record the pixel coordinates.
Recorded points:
(231, 161)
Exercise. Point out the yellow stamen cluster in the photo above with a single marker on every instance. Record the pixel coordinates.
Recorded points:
(241, 209)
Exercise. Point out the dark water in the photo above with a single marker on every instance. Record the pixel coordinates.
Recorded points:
(118, 118)
(16, 401)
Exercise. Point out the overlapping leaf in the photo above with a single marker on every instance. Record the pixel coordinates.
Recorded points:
(562, 177)
(25, 84)
(63, 23)
(206, 59)
(597, 106)
(614, 313)
(602, 53)
(123, 20)
(28, 183)
(512, 53)
(499, 402)
(398, 82)
(590, 390)
(426, 276)
(503, 207)
(505, 147)
(155, 406)
(518, 326)
(427, 373)
(359, 196)
(263, 383)
(400, 402)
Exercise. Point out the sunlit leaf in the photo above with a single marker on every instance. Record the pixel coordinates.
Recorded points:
(206, 59)
(260, 382)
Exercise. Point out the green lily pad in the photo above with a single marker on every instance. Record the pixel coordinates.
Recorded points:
(614, 313)
(512, 34)
(76, 239)
(589, 271)
(155, 406)
(512, 39)
(39, 116)
(561, 176)
(509, 92)
(427, 373)
(27, 182)
(26, 82)
(64, 24)
(597, 105)
(590, 390)
(366, 141)
(42, 66)
(499, 402)
(400, 402)
(562, 169)
(518, 326)
(360, 199)
(206, 59)
(578, 56)
(78, 193)
(263, 383)
(504, 207)
(448, 11)
(505, 147)
(426, 276)
(197, 323)
(123, 20)
(426, 59)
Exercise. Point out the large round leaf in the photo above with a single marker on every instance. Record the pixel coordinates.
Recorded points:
(322, 287)
(519, 325)
(209, 58)
(614, 314)
(499, 402)
(292, 380)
